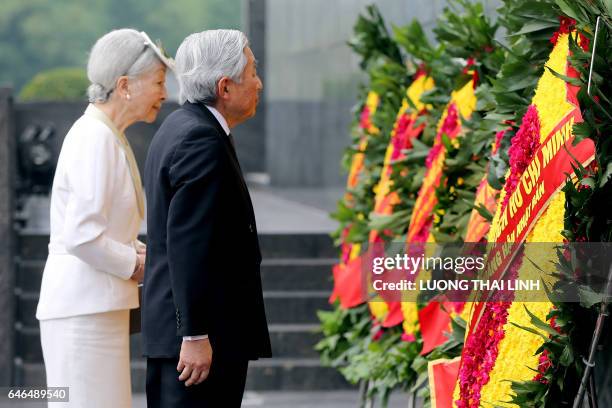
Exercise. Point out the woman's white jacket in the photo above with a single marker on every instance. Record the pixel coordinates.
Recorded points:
(94, 223)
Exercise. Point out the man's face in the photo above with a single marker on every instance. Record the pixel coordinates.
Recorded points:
(244, 96)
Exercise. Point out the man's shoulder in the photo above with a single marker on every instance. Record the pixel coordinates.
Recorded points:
(186, 122)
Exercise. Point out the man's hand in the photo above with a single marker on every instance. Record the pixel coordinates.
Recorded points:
(138, 274)
(194, 361)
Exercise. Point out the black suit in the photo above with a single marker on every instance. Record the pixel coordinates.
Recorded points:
(202, 269)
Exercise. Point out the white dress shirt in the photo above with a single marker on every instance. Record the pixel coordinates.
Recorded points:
(219, 118)
(94, 225)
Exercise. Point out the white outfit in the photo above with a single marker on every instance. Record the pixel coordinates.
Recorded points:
(86, 288)
(91, 355)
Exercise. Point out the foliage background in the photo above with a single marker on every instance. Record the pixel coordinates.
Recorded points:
(37, 35)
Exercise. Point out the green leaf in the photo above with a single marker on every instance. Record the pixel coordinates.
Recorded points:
(588, 297)
(588, 181)
(484, 212)
(540, 324)
(606, 175)
(567, 9)
(567, 356)
(530, 330)
(533, 26)
(569, 80)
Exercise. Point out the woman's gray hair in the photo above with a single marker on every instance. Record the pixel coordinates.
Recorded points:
(119, 53)
(204, 58)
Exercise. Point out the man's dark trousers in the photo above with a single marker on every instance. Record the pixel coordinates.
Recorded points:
(223, 388)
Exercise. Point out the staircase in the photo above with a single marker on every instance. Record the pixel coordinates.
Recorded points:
(296, 274)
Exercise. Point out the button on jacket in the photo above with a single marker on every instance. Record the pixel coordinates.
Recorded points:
(94, 223)
(203, 259)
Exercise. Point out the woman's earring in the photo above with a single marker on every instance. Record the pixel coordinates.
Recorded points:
(127, 97)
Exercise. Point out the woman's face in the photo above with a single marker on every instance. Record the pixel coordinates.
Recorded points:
(147, 93)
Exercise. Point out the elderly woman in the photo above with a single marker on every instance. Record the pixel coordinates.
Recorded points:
(95, 261)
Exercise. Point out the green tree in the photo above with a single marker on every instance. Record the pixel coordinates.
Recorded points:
(36, 35)
(59, 84)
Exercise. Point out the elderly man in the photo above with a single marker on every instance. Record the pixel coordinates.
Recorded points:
(203, 312)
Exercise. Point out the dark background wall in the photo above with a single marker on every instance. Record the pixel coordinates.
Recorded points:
(7, 237)
(312, 81)
(61, 116)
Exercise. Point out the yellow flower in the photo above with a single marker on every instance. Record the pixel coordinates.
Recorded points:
(355, 251)
(465, 99)
(411, 317)
(372, 101)
(460, 181)
(551, 93)
(379, 309)
(416, 89)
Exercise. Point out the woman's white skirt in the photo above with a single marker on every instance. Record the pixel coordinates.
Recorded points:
(90, 354)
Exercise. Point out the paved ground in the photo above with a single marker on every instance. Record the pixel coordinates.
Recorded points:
(293, 210)
(344, 399)
(276, 210)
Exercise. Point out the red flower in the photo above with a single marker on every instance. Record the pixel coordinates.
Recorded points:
(401, 141)
(498, 138)
(584, 42)
(433, 153)
(566, 25)
(421, 70)
(522, 149)
(544, 364)
(364, 118)
(451, 122)
(423, 233)
(468, 64)
(480, 352)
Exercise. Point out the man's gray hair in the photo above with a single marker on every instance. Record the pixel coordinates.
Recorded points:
(204, 58)
(119, 53)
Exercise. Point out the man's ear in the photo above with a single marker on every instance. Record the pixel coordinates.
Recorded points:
(223, 87)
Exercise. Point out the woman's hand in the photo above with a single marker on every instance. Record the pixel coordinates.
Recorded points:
(138, 274)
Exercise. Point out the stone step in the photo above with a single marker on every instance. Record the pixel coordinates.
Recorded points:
(291, 307)
(282, 307)
(315, 245)
(307, 245)
(288, 341)
(293, 375)
(267, 374)
(276, 274)
(297, 274)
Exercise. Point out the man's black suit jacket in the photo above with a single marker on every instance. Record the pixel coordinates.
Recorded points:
(202, 271)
